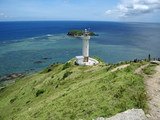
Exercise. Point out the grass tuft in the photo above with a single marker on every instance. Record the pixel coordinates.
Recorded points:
(66, 65)
(13, 99)
(39, 92)
(66, 74)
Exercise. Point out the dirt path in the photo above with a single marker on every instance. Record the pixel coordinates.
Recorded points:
(152, 83)
(138, 71)
(120, 67)
(153, 90)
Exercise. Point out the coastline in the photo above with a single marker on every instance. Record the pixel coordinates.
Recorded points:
(67, 85)
(28, 44)
(11, 78)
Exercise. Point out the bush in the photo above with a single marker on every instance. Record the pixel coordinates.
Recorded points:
(41, 91)
(13, 99)
(50, 68)
(2, 88)
(28, 101)
(66, 74)
(92, 34)
(66, 65)
(52, 76)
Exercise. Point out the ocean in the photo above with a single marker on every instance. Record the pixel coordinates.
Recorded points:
(25, 46)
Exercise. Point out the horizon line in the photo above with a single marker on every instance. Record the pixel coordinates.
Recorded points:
(75, 21)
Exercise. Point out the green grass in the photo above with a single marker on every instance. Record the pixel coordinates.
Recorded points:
(76, 92)
(149, 70)
(66, 65)
(98, 59)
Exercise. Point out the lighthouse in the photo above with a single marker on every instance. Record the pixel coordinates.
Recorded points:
(85, 59)
(85, 44)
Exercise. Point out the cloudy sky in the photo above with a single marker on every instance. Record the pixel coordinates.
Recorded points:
(96, 10)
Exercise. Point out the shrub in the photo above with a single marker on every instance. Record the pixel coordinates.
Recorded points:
(41, 91)
(66, 65)
(13, 99)
(2, 88)
(66, 74)
(92, 34)
(50, 68)
(52, 76)
(28, 101)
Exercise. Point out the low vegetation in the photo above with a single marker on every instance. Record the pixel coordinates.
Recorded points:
(66, 92)
(66, 65)
(79, 33)
(41, 91)
(66, 74)
(149, 70)
(13, 99)
(98, 59)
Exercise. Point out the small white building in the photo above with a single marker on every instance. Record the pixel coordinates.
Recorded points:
(85, 59)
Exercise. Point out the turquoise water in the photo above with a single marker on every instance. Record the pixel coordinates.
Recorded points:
(116, 42)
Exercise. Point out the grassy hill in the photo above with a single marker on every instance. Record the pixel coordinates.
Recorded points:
(66, 91)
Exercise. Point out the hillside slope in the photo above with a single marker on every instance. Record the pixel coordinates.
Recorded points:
(66, 91)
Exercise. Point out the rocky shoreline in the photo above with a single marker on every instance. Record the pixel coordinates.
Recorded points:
(38, 62)
(10, 78)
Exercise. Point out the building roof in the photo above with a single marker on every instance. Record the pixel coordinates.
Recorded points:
(79, 57)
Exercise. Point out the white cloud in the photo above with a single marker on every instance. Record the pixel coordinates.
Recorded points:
(65, 1)
(140, 7)
(129, 8)
(108, 12)
(1, 14)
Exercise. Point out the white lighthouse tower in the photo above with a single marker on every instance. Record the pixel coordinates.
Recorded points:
(85, 48)
(85, 60)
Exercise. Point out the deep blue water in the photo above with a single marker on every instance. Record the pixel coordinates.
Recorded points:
(23, 43)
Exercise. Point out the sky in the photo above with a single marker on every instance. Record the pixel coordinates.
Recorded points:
(83, 10)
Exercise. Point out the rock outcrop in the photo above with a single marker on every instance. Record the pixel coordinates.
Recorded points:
(12, 76)
(38, 62)
(132, 114)
(155, 62)
(46, 58)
